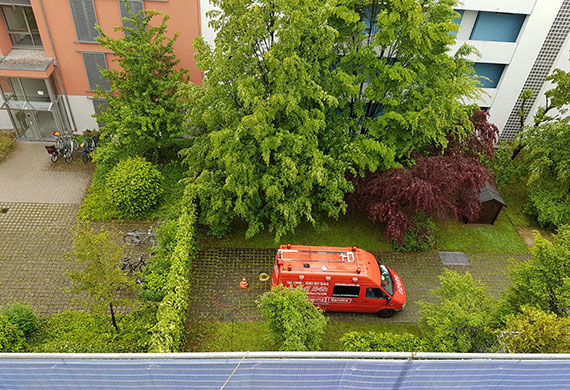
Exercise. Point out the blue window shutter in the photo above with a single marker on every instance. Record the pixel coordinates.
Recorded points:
(498, 27)
(492, 71)
(85, 19)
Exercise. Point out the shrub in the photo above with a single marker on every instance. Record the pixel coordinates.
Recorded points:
(81, 332)
(11, 337)
(23, 317)
(7, 140)
(506, 169)
(420, 237)
(535, 331)
(134, 187)
(382, 342)
(544, 280)
(293, 320)
(462, 321)
(168, 333)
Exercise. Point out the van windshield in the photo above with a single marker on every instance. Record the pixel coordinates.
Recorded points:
(386, 278)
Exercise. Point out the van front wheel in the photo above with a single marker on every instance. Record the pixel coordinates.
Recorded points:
(386, 313)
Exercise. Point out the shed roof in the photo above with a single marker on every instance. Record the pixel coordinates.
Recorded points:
(489, 193)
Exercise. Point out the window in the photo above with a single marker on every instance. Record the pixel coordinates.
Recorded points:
(85, 19)
(94, 61)
(370, 19)
(499, 27)
(376, 293)
(458, 19)
(97, 105)
(136, 6)
(21, 26)
(346, 291)
(492, 71)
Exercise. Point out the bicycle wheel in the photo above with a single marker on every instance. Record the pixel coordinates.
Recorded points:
(86, 157)
(68, 156)
(132, 239)
(53, 157)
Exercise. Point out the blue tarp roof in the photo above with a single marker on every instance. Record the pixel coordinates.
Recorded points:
(330, 374)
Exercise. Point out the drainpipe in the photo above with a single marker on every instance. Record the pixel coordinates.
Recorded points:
(57, 67)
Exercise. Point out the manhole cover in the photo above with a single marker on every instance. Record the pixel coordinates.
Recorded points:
(4, 210)
(453, 258)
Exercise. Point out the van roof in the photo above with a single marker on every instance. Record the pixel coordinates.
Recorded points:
(326, 260)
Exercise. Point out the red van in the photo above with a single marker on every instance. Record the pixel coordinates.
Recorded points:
(340, 279)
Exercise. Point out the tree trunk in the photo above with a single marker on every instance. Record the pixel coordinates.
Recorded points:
(113, 317)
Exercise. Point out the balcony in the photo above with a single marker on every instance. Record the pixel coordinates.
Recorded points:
(26, 63)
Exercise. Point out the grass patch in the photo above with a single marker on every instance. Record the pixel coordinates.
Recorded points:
(7, 140)
(502, 237)
(243, 336)
(96, 207)
(349, 230)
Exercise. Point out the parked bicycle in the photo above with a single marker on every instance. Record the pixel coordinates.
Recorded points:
(63, 146)
(88, 146)
(133, 266)
(135, 237)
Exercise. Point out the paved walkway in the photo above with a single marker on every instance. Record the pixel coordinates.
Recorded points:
(39, 202)
(28, 176)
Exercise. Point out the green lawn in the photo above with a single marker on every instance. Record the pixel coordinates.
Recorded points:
(244, 336)
(349, 230)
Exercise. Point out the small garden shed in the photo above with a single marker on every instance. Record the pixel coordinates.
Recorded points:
(491, 205)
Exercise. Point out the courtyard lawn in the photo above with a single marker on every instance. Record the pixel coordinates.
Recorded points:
(245, 336)
(350, 230)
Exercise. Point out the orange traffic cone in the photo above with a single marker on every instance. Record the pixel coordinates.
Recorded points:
(243, 283)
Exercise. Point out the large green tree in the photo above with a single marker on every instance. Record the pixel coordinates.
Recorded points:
(297, 94)
(144, 109)
(261, 113)
(396, 80)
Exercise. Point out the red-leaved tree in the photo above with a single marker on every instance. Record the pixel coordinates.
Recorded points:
(444, 186)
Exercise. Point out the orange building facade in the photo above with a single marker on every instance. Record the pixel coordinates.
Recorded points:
(49, 59)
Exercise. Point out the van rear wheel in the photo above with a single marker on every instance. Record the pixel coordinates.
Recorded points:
(386, 313)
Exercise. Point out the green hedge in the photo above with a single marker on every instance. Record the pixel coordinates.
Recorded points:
(168, 333)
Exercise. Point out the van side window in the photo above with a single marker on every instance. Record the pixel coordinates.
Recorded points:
(375, 293)
(346, 291)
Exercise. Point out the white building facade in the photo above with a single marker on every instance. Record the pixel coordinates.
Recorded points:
(520, 42)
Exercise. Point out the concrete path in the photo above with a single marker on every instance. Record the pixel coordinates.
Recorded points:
(39, 202)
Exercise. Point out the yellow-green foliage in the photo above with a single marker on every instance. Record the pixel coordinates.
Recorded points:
(168, 333)
(134, 187)
(294, 322)
(382, 342)
(536, 331)
(7, 139)
(11, 337)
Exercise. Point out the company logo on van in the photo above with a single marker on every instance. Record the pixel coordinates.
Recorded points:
(398, 284)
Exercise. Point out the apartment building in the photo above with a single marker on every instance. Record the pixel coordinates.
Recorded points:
(521, 42)
(49, 59)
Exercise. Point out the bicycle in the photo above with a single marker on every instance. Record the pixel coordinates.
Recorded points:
(133, 267)
(63, 146)
(88, 146)
(135, 237)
